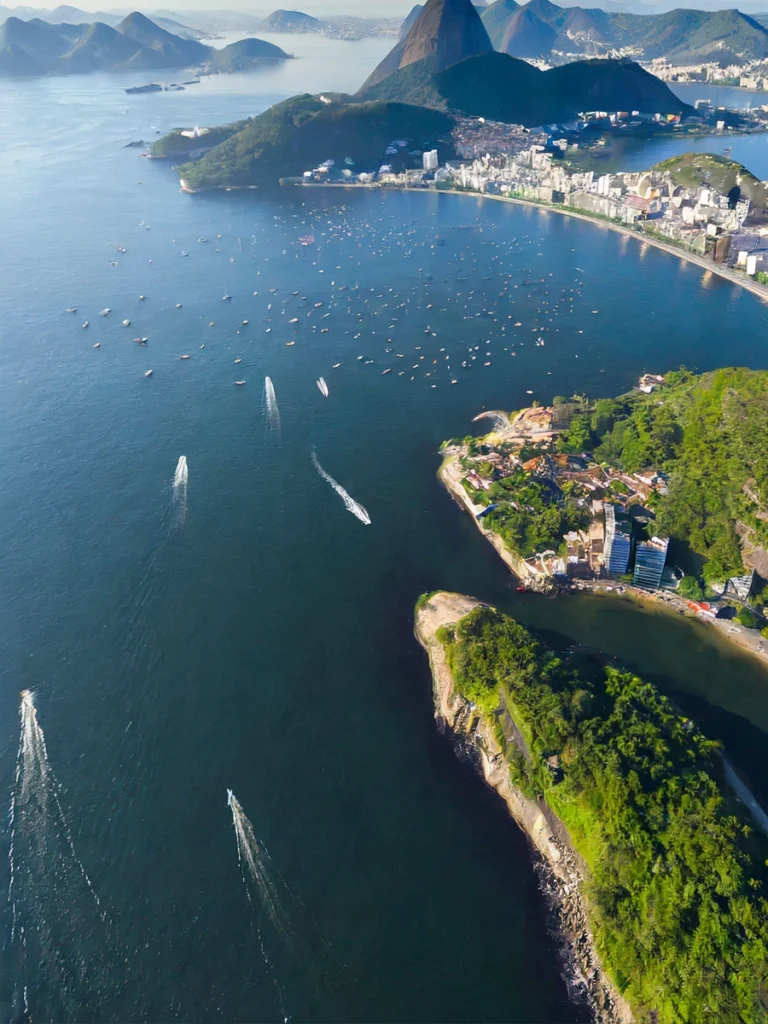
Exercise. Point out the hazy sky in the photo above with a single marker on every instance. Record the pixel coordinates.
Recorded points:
(373, 8)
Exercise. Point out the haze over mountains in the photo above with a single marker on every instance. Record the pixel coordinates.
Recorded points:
(540, 28)
(37, 47)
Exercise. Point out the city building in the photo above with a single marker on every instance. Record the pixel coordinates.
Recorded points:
(650, 558)
(430, 160)
(618, 542)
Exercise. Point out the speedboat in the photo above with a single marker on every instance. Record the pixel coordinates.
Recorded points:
(239, 382)
(105, 312)
(71, 309)
(126, 323)
(148, 373)
(323, 387)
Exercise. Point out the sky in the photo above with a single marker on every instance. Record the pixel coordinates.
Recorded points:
(362, 8)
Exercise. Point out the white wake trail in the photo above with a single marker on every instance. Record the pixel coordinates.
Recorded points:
(273, 413)
(351, 505)
(180, 479)
(181, 475)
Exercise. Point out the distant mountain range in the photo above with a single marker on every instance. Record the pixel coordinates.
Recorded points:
(446, 62)
(66, 15)
(38, 47)
(540, 29)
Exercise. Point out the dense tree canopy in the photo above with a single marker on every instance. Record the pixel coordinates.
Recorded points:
(676, 875)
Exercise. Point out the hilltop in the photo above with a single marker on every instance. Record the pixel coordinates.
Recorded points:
(304, 131)
(692, 169)
(445, 31)
(502, 88)
(36, 47)
(541, 29)
(290, 21)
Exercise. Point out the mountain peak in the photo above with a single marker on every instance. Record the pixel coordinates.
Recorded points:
(448, 31)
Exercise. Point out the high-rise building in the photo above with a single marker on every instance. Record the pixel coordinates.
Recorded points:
(618, 542)
(650, 557)
(430, 160)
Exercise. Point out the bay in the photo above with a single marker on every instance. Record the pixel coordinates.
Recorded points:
(262, 640)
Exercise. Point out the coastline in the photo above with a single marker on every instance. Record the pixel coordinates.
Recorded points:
(754, 287)
(748, 641)
(562, 872)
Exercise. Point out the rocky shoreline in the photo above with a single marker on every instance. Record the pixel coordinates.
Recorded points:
(559, 868)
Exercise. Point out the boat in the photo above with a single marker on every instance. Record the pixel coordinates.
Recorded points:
(388, 370)
(290, 344)
(238, 360)
(141, 341)
(105, 312)
(336, 366)
(97, 345)
(323, 387)
(71, 309)
(86, 324)
(225, 297)
(126, 323)
(239, 382)
(148, 373)
(184, 357)
(307, 239)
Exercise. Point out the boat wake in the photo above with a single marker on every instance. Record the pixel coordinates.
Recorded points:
(349, 502)
(270, 399)
(283, 925)
(61, 945)
(180, 479)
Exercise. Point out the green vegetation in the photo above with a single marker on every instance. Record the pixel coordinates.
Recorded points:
(709, 433)
(693, 169)
(534, 515)
(301, 132)
(176, 146)
(499, 87)
(676, 878)
(691, 589)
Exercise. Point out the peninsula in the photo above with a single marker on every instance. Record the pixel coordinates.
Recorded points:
(617, 491)
(657, 876)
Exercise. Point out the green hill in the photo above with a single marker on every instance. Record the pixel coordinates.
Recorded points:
(676, 874)
(501, 88)
(299, 133)
(692, 169)
(244, 54)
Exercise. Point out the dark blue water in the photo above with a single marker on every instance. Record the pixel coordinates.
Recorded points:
(263, 641)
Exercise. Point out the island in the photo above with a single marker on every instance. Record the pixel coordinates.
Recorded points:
(135, 43)
(661, 493)
(655, 871)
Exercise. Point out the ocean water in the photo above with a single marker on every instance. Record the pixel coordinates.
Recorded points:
(244, 631)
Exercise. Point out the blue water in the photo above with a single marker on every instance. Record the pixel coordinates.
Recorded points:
(263, 640)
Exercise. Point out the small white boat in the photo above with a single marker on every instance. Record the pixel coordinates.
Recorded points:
(105, 312)
(294, 321)
(184, 356)
(148, 373)
(126, 323)
(71, 309)
(290, 344)
(141, 341)
(245, 323)
(141, 298)
(97, 345)
(178, 305)
(322, 386)
(86, 324)
(225, 298)
(388, 370)
(336, 366)
(239, 382)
